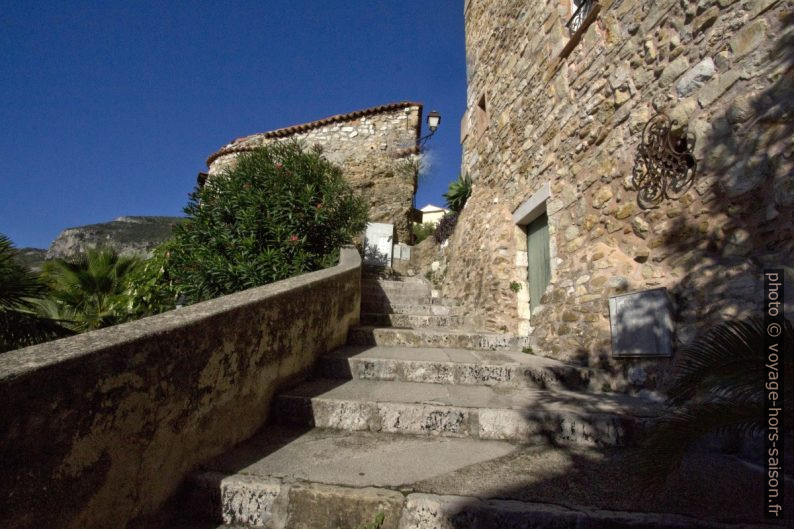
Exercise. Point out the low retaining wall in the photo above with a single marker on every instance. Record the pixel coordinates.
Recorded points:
(101, 428)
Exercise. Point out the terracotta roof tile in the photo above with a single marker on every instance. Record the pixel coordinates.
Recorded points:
(237, 145)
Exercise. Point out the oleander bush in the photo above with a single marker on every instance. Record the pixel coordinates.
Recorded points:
(281, 211)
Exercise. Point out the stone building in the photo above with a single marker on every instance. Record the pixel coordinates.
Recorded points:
(559, 95)
(376, 148)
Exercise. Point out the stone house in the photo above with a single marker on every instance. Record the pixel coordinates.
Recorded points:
(559, 96)
(377, 149)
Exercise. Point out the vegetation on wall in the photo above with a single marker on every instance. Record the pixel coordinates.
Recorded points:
(458, 193)
(20, 289)
(446, 226)
(280, 212)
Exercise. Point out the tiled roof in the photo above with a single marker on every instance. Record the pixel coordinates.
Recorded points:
(238, 145)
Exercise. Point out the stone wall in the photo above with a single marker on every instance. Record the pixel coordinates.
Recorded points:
(569, 111)
(377, 149)
(100, 429)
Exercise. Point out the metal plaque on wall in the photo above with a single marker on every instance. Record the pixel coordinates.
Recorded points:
(642, 324)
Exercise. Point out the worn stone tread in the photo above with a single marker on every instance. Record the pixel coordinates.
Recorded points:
(463, 396)
(427, 309)
(522, 415)
(450, 366)
(410, 320)
(525, 488)
(360, 459)
(435, 337)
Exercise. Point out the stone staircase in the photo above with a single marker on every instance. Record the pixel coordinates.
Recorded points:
(392, 422)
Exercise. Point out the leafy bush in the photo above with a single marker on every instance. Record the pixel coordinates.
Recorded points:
(458, 193)
(89, 291)
(150, 289)
(280, 212)
(20, 291)
(422, 231)
(445, 227)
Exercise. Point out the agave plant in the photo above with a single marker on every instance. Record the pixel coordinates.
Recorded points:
(458, 193)
(20, 289)
(718, 390)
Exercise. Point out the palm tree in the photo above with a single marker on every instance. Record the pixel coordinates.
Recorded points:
(89, 290)
(20, 325)
(718, 389)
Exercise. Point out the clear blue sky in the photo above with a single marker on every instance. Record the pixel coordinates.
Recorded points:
(110, 108)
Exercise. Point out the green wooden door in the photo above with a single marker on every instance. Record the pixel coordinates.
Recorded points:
(538, 260)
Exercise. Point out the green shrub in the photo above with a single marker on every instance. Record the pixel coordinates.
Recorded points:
(422, 231)
(458, 193)
(150, 289)
(280, 212)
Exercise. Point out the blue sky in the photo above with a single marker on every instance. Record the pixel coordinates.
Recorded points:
(111, 108)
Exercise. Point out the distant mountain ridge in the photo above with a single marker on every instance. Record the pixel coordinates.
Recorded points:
(127, 235)
(133, 235)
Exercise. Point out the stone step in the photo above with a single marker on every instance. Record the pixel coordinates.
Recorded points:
(370, 293)
(427, 309)
(437, 306)
(410, 320)
(396, 284)
(433, 337)
(382, 301)
(274, 480)
(480, 412)
(451, 366)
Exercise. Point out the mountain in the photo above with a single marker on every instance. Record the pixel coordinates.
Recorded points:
(31, 258)
(127, 235)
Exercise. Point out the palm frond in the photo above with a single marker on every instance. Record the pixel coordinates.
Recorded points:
(20, 329)
(728, 360)
(718, 389)
(17, 284)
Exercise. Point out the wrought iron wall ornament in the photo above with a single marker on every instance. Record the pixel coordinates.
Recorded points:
(664, 166)
(583, 9)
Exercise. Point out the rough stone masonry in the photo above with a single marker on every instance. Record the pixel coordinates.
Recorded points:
(377, 149)
(548, 106)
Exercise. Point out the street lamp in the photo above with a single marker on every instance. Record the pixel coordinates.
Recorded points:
(433, 121)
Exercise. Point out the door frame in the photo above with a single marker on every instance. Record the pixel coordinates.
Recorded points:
(529, 210)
